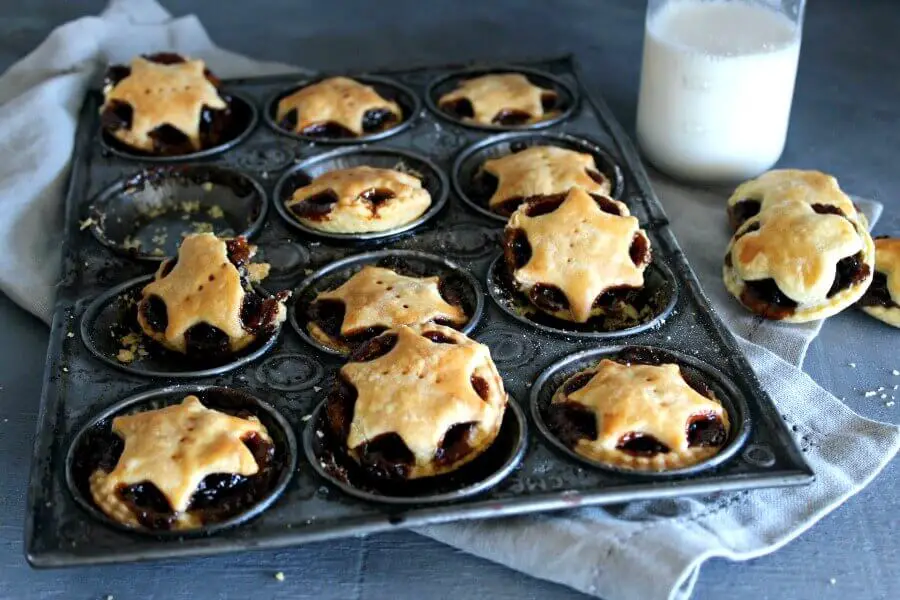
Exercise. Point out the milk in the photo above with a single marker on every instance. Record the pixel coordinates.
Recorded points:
(716, 88)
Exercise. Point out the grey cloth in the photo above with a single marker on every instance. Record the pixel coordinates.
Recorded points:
(647, 550)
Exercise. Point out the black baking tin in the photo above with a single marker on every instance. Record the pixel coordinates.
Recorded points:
(433, 180)
(333, 275)
(468, 164)
(293, 376)
(278, 428)
(119, 212)
(386, 87)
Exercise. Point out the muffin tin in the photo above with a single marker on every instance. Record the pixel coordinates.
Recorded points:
(525, 471)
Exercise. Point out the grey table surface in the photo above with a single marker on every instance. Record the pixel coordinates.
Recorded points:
(846, 120)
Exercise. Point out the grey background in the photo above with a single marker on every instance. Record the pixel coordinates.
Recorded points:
(846, 120)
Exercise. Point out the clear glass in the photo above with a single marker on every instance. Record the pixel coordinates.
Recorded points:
(717, 83)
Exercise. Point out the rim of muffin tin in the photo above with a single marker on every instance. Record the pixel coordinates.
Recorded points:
(410, 98)
(99, 206)
(110, 144)
(176, 393)
(98, 304)
(493, 288)
(726, 392)
(371, 258)
(513, 417)
(536, 76)
(606, 164)
(438, 201)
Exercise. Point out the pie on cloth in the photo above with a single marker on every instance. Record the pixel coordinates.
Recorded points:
(416, 402)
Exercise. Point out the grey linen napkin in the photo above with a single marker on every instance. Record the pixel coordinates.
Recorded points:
(646, 550)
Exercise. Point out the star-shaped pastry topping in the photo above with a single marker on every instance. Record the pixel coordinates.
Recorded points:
(543, 170)
(798, 248)
(176, 447)
(418, 390)
(580, 249)
(887, 261)
(379, 297)
(493, 94)
(647, 399)
(165, 94)
(203, 287)
(780, 185)
(336, 100)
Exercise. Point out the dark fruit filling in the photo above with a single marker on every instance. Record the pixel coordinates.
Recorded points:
(640, 250)
(456, 444)
(511, 118)
(548, 297)
(577, 382)
(167, 266)
(878, 293)
(378, 119)
(206, 340)
(374, 348)
(377, 197)
(827, 209)
(481, 386)
(238, 250)
(218, 496)
(598, 178)
(117, 115)
(385, 457)
(517, 249)
(706, 430)
(461, 109)
(743, 210)
(315, 208)
(571, 422)
(373, 121)
(849, 271)
(155, 313)
(438, 338)
(549, 101)
(641, 444)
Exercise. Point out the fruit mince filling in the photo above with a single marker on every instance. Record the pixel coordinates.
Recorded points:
(878, 293)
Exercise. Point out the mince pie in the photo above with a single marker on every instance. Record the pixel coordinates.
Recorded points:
(798, 262)
(506, 99)
(638, 415)
(882, 299)
(165, 104)
(812, 187)
(375, 299)
(541, 171)
(202, 303)
(337, 107)
(359, 200)
(416, 402)
(574, 256)
(180, 467)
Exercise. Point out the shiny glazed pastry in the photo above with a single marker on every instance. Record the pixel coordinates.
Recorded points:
(359, 200)
(573, 256)
(338, 107)
(798, 262)
(507, 99)
(882, 299)
(202, 303)
(417, 402)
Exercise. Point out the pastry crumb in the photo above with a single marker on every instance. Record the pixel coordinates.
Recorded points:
(305, 418)
(129, 243)
(190, 206)
(82, 225)
(317, 388)
(70, 335)
(895, 373)
(319, 434)
(207, 187)
(216, 212)
(279, 576)
(158, 252)
(256, 272)
(832, 581)
(160, 239)
(202, 227)
(65, 369)
(125, 356)
(889, 403)
(870, 393)
(852, 365)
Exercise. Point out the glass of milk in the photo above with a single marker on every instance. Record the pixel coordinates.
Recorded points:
(716, 85)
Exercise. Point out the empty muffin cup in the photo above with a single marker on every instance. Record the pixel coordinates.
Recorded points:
(432, 178)
(705, 379)
(475, 186)
(221, 501)
(374, 127)
(633, 312)
(147, 215)
(558, 104)
(320, 325)
(110, 331)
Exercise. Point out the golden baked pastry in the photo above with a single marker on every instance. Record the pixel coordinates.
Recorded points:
(572, 255)
(644, 417)
(202, 304)
(417, 402)
(782, 185)
(882, 299)
(359, 200)
(508, 99)
(541, 171)
(337, 107)
(164, 104)
(172, 453)
(798, 262)
(375, 299)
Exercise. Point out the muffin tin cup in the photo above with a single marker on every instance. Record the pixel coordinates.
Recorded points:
(433, 179)
(156, 207)
(480, 475)
(336, 273)
(386, 87)
(658, 276)
(549, 381)
(447, 83)
(469, 161)
(213, 397)
(246, 110)
(105, 321)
